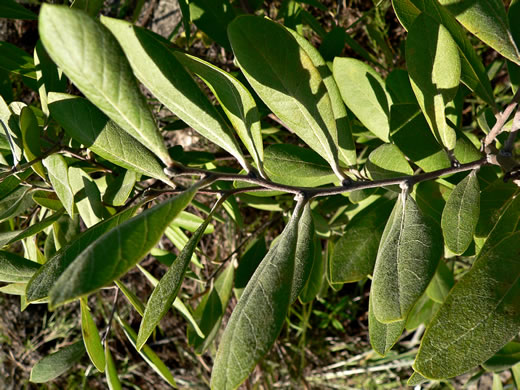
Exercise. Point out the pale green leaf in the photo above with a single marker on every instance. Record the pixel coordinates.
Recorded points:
(260, 313)
(91, 337)
(149, 356)
(45, 278)
(386, 162)
(31, 139)
(55, 364)
(119, 190)
(292, 165)
(236, 101)
(406, 261)
(14, 268)
(416, 379)
(343, 139)
(191, 222)
(433, 62)
(383, 336)
(95, 63)
(304, 255)
(461, 213)
(363, 91)
(285, 78)
(86, 196)
(102, 261)
(86, 124)
(355, 252)
(157, 68)
(58, 172)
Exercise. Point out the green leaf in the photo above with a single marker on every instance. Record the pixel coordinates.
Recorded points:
(86, 196)
(191, 222)
(211, 310)
(86, 124)
(95, 63)
(386, 162)
(46, 277)
(58, 172)
(304, 255)
(111, 371)
(236, 101)
(156, 66)
(383, 336)
(165, 292)
(285, 78)
(7, 238)
(513, 13)
(406, 261)
(260, 313)
(441, 283)
(119, 190)
(10, 127)
(15, 203)
(433, 62)
(478, 317)
(292, 165)
(16, 60)
(497, 382)
(91, 337)
(10, 9)
(504, 359)
(102, 261)
(400, 89)
(13, 289)
(473, 73)
(355, 252)
(487, 20)
(421, 313)
(55, 364)
(213, 17)
(416, 379)
(461, 213)
(345, 142)
(364, 92)
(494, 199)
(249, 261)
(316, 277)
(31, 139)
(14, 268)
(147, 354)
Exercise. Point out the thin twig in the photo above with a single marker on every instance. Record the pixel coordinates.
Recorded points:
(111, 318)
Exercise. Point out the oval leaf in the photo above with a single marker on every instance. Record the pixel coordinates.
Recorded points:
(260, 313)
(83, 122)
(158, 69)
(460, 215)
(95, 63)
(433, 62)
(58, 172)
(102, 261)
(14, 268)
(284, 77)
(386, 162)
(91, 337)
(363, 91)
(57, 363)
(406, 261)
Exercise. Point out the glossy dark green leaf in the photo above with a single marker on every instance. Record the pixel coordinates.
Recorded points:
(166, 291)
(285, 78)
(383, 336)
(236, 101)
(480, 314)
(473, 73)
(156, 66)
(149, 356)
(14, 268)
(461, 213)
(345, 142)
(406, 261)
(364, 92)
(102, 261)
(355, 252)
(41, 283)
(91, 337)
(504, 359)
(87, 197)
(86, 124)
(119, 190)
(211, 309)
(487, 20)
(10, 9)
(441, 283)
(31, 139)
(95, 63)
(260, 313)
(292, 165)
(433, 62)
(58, 172)
(55, 364)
